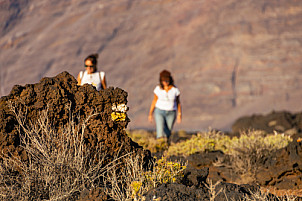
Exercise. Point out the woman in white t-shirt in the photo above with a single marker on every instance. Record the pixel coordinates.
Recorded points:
(165, 105)
(91, 75)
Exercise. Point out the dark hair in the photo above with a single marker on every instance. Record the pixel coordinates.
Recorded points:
(93, 58)
(165, 75)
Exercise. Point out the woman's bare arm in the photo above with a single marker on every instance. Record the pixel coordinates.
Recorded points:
(150, 117)
(179, 117)
(79, 79)
(104, 84)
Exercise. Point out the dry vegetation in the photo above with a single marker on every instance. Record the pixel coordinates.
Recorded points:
(59, 167)
(135, 181)
(244, 154)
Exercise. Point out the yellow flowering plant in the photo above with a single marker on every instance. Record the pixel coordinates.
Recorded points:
(117, 116)
(164, 171)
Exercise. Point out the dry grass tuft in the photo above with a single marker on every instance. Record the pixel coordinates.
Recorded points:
(212, 189)
(249, 152)
(134, 181)
(58, 167)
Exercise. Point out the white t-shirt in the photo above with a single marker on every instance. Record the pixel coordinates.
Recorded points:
(94, 79)
(166, 100)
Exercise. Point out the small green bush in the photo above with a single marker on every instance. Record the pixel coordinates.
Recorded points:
(213, 140)
(164, 171)
(207, 141)
(147, 140)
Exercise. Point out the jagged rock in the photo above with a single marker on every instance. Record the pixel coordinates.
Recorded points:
(275, 121)
(63, 98)
(57, 94)
(195, 177)
(221, 191)
(207, 158)
(283, 169)
(177, 192)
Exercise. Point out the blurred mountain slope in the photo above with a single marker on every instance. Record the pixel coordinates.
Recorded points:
(229, 58)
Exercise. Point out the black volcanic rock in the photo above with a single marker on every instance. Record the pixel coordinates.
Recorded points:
(224, 191)
(276, 121)
(61, 97)
(284, 169)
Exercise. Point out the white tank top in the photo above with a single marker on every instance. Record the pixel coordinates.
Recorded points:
(166, 100)
(94, 79)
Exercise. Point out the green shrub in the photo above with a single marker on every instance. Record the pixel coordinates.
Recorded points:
(201, 142)
(249, 152)
(213, 140)
(147, 140)
(164, 171)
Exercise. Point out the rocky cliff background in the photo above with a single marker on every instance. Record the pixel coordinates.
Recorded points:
(229, 58)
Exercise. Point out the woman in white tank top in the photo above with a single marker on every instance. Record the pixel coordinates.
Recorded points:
(91, 75)
(165, 106)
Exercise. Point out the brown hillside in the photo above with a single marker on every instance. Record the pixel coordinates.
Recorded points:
(229, 58)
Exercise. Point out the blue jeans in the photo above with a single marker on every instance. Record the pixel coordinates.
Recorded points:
(164, 122)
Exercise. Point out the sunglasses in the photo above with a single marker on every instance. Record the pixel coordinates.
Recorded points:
(90, 66)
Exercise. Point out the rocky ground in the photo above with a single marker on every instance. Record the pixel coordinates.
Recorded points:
(283, 170)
